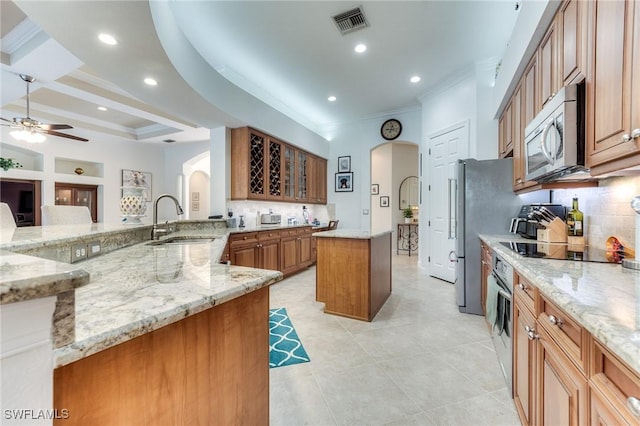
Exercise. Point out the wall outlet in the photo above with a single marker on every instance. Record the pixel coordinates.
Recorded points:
(93, 248)
(365, 212)
(78, 252)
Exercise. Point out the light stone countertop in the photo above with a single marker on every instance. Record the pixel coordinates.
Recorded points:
(144, 287)
(356, 234)
(603, 297)
(27, 277)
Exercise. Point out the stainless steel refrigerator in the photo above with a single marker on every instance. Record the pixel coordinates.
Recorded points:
(484, 204)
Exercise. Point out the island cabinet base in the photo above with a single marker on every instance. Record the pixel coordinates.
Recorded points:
(211, 368)
(353, 276)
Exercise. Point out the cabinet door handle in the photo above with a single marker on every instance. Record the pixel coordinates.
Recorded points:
(555, 321)
(519, 180)
(531, 332)
(633, 404)
(636, 133)
(522, 287)
(626, 137)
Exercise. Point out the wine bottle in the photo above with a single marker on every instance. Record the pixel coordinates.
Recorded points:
(575, 220)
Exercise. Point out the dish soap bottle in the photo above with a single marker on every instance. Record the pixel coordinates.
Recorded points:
(575, 220)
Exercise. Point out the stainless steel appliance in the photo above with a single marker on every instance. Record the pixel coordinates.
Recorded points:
(270, 219)
(527, 223)
(554, 139)
(502, 328)
(483, 202)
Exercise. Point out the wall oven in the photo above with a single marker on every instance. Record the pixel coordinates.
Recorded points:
(501, 330)
(554, 139)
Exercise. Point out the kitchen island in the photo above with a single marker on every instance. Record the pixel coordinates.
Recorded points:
(353, 272)
(161, 334)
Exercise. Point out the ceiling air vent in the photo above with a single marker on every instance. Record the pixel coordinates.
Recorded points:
(351, 20)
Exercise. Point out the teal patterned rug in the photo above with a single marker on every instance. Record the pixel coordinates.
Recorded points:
(285, 347)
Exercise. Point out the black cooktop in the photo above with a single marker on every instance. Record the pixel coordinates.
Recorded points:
(564, 252)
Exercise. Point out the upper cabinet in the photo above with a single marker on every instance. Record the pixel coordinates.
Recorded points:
(613, 87)
(548, 66)
(264, 168)
(571, 22)
(505, 132)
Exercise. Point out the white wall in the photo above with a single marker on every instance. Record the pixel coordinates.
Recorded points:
(357, 139)
(114, 156)
(382, 174)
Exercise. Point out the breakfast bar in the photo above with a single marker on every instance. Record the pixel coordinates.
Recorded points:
(353, 272)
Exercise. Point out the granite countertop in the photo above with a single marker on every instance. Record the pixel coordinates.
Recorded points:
(27, 277)
(350, 233)
(603, 297)
(144, 287)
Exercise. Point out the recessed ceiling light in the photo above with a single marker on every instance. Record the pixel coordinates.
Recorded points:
(332, 98)
(150, 81)
(101, 108)
(414, 79)
(360, 48)
(108, 39)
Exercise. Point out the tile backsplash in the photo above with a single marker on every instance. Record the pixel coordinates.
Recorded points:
(251, 209)
(607, 209)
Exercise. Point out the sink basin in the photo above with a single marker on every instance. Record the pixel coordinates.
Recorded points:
(181, 240)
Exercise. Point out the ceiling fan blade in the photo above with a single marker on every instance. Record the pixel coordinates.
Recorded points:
(64, 135)
(4, 119)
(54, 126)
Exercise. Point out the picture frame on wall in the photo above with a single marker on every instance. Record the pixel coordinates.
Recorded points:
(344, 182)
(375, 189)
(384, 201)
(344, 164)
(138, 178)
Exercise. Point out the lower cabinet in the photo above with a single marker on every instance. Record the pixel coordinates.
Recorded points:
(524, 361)
(288, 251)
(562, 389)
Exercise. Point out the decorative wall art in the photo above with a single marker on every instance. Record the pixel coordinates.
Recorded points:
(344, 164)
(375, 189)
(136, 178)
(384, 201)
(344, 182)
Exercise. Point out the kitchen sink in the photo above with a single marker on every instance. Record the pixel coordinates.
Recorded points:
(181, 240)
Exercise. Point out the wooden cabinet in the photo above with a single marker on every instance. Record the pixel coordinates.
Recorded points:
(572, 39)
(71, 194)
(255, 166)
(255, 249)
(613, 87)
(612, 384)
(524, 360)
(288, 250)
(547, 65)
(296, 250)
(562, 390)
(211, 368)
(505, 132)
(317, 171)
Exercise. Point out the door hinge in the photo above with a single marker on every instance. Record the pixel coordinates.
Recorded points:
(429, 151)
(429, 224)
(429, 259)
(429, 187)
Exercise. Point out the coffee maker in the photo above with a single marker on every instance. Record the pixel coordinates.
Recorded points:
(527, 222)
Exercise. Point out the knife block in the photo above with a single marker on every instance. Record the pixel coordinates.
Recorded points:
(554, 232)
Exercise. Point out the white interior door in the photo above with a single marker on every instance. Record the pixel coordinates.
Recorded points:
(446, 147)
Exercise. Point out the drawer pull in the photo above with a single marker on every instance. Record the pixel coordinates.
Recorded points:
(531, 332)
(244, 238)
(634, 405)
(555, 321)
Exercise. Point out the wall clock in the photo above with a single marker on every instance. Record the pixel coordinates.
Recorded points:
(391, 129)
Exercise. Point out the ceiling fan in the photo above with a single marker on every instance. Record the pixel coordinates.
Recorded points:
(31, 130)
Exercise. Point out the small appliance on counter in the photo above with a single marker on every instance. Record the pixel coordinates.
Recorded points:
(531, 216)
(270, 219)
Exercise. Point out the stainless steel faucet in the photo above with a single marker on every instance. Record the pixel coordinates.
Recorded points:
(157, 231)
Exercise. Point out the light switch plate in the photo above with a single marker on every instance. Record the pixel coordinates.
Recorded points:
(365, 212)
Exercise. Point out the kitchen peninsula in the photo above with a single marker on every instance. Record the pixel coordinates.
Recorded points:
(161, 333)
(353, 272)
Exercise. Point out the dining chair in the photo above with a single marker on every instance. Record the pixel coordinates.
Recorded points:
(65, 215)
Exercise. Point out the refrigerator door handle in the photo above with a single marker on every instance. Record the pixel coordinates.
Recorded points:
(452, 210)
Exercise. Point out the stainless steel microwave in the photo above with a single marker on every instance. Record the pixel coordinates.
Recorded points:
(554, 139)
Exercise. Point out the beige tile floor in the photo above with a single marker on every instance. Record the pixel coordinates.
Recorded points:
(419, 362)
